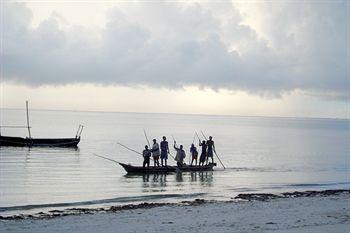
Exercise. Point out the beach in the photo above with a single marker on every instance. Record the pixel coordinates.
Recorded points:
(71, 190)
(174, 116)
(318, 211)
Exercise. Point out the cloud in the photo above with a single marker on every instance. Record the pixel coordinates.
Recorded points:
(299, 46)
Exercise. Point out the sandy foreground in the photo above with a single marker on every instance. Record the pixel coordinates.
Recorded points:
(320, 213)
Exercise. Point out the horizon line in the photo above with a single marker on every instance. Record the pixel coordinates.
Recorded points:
(174, 113)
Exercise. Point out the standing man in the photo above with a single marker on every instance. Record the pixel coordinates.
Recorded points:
(194, 153)
(155, 152)
(203, 156)
(164, 150)
(146, 153)
(180, 155)
(211, 149)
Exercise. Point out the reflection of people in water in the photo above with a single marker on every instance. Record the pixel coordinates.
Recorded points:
(155, 177)
(145, 177)
(193, 176)
(206, 178)
(194, 154)
(162, 180)
(179, 177)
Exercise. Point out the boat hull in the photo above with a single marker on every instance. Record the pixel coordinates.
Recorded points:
(38, 142)
(168, 169)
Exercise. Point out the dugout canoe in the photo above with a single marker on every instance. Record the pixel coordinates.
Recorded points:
(38, 142)
(166, 169)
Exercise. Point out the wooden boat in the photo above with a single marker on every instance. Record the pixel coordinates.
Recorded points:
(38, 142)
(185, 168)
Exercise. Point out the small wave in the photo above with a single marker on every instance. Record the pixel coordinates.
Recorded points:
(305, 185)
(101, 201)
(320, 184)
(258, 169)
(244, 190)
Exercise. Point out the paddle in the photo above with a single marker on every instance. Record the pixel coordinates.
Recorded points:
(214, 151)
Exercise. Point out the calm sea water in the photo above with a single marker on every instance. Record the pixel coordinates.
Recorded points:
(261, 154)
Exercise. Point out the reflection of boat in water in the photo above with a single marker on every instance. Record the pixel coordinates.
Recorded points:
(185, 168)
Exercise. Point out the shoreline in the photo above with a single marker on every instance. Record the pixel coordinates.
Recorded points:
(243, 197)
(295, 212)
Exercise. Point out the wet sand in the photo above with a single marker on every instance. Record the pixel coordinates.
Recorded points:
(312, 211)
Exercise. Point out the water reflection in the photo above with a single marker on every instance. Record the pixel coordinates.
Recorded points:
(206, 178)
(193, 176)
(159, 181)
(265, 152)
(179, 177)
(157, 178)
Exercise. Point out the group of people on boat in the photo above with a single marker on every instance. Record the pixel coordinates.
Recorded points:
(162, 151)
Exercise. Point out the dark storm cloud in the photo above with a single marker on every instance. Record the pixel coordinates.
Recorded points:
(174, 45)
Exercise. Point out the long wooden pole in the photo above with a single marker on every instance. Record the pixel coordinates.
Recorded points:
(144, 132)
(194, 137)
(171, 155)
(30, 135)
(198, 136)
(129, 148)
(214, 151)
(106, 158)
(76, 135)
(173, 139)
(204, 136)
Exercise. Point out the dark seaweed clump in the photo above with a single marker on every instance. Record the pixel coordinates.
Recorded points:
(269, 196)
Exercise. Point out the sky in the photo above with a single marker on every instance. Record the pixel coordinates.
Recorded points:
(271, 58)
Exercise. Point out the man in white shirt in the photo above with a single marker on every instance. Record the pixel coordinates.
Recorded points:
(155, 152)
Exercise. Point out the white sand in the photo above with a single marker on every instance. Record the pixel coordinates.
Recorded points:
(290, 215)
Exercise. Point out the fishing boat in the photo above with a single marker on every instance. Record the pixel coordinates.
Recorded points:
(166, 169)
(38, 142)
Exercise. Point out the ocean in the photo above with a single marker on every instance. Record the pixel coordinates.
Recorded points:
(261, 154)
